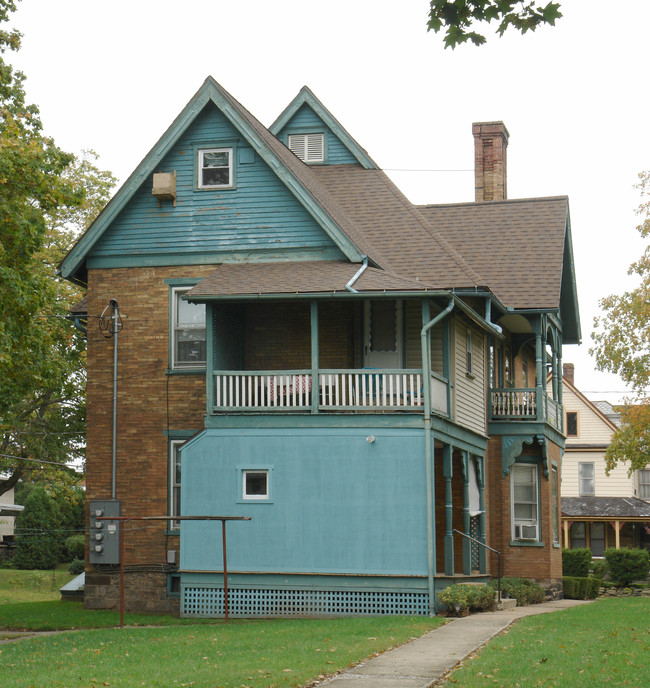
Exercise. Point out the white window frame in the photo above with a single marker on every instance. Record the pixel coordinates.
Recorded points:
(583, 467)
(577, 432)
(256, 497)
(643, 477)
(302, 146)
(201, 167)
(518, 524)
(176, 294)
(174, 485)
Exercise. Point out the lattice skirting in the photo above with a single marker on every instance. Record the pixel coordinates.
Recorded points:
(209, 602)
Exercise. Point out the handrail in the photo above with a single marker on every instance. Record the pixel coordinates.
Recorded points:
(478, 542)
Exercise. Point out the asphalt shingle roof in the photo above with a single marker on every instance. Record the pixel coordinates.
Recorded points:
(605, 507)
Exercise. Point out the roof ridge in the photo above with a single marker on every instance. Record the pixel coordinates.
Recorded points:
(505, 201)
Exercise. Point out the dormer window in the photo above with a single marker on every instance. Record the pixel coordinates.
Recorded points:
(215, 168)
(308, 147)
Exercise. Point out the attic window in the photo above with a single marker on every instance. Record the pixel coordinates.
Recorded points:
(308, 147)
(215, 168)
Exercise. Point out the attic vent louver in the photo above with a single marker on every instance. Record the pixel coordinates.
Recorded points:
(308, 147)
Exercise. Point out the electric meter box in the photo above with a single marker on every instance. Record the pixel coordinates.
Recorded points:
(104, 542)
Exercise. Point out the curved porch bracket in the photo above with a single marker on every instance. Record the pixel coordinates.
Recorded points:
(511, 446)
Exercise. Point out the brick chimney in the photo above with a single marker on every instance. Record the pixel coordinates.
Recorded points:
(490, 173)
(568, 370)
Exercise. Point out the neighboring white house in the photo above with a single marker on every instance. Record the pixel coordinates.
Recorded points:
(8, 513)
(598, 510)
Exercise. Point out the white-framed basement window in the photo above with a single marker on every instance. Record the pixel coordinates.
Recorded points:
(175, 482)
(308, 147)
(524, 498)
(215, 168)
(188, 344)
(255, 484)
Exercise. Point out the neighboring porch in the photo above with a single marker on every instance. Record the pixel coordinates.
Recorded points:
(521, 405)
(600, 523)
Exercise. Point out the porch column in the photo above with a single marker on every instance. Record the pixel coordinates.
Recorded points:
(566, 526)
(315, 382)
(617, 531)
(467, 544)
(448, 473)
(482, 552)
(539, 370)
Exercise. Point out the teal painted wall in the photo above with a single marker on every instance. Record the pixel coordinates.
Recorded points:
(306, 120)
(338, 504)
(259, 215)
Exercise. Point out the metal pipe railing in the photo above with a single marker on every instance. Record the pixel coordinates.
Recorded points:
(482, 544)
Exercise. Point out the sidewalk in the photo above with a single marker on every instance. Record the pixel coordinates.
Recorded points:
(422, 662)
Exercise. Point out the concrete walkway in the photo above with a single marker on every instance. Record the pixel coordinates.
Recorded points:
(423, 662)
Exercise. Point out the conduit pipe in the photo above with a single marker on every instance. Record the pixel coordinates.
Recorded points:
(428, 451)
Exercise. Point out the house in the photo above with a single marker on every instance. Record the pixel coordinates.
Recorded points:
(360, 376)
(8, 512)
(599, 510)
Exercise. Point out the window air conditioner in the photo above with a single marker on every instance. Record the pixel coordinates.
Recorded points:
(525, 532)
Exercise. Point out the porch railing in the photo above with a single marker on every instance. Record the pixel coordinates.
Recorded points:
(338, 390)
(521, 404)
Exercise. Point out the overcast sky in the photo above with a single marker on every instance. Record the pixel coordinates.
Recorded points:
(112, 76)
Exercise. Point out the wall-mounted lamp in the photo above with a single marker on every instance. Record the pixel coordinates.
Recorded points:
(370, 439)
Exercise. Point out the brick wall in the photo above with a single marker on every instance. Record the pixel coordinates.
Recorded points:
(151, 404)
(542, 563)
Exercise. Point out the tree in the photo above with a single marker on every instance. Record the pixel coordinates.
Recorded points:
(46, 197)
(457, 17)
(622, 346)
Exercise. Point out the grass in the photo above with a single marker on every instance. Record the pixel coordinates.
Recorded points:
(605, 643)
(255, 654)
(177, 652)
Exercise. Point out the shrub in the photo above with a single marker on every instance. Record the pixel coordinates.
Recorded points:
(581, 587)
(455, 598)
(76, 566)
(524, 590)
(76, 545)
(480, 598)
(576, 562)
(599, 568)
(627, 565)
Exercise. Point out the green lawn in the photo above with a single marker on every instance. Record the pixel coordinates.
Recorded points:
(606, 643)
(255, 653)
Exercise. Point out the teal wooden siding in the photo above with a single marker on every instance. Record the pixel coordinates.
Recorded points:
(306, 121)
(259, 216)
(337, 504)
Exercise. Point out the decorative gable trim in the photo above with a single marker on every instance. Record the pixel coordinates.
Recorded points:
(210, 91)
(305, 96)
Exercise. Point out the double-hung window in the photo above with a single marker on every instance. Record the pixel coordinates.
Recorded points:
(586, 479)
(644, 484)
(188, 332)
(215, 168)
(525, 501)
(175, 481)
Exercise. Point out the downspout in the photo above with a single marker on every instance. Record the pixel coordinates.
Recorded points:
(488, 316)
(115, 308)
(428, 450)
(356, 276)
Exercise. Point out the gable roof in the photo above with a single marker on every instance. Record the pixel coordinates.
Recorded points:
(306, 97)
(591, 405)
(504, 241)
(292, 171)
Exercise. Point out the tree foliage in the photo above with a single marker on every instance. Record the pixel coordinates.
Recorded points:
(622, 346)
(458, 17)
(46, 197)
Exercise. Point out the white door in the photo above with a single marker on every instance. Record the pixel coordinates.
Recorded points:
(383, 345)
